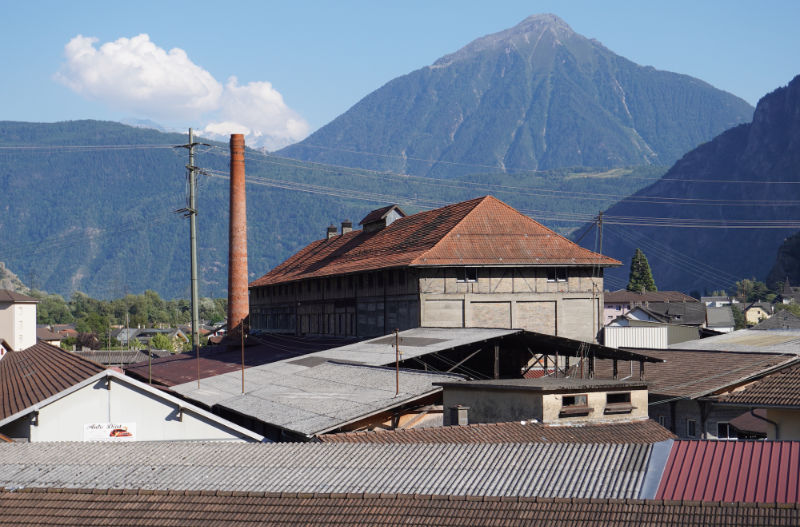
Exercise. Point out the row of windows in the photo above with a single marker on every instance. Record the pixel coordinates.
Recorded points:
(337, 283)
(463, 275)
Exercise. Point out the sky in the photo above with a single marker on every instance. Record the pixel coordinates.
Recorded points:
(277, 71)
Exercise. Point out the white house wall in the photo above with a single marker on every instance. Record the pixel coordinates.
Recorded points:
(18, 325)
(155, 419)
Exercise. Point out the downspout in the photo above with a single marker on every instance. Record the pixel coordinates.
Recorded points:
(773, 423)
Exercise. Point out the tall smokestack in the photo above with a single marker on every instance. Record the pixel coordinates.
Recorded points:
(238, 302)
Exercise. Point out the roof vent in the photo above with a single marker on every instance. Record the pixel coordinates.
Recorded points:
(380, 218)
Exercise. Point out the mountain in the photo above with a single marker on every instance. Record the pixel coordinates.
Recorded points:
(90, 206)
(787, 263)
(536, 96)
(748, 175)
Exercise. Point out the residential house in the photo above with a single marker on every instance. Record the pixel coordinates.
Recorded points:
(718, 301)
(788, 294)
(478, 263)
(620, 302)
(47, 335)
(720, 319)
(782, 320)
(685, 389)
(758, 312)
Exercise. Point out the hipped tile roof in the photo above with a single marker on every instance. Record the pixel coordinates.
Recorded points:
(481, 231)
(643, 431)
(12, 296)
(32, 375)
(67, 506)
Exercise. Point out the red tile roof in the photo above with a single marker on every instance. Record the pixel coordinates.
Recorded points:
(749, 471)
(122, 508)
(379, 214)
(481, 231)
(36, 373)
(643, 431)
(216, 360)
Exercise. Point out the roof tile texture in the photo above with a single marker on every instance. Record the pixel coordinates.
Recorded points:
(187, 508)
(36, 373)
(623, 296)
(698, 373)
(779, 389)
(645, 431)
(482, 231)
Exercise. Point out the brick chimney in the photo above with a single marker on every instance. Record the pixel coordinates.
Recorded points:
(238, 302)
(347, 226)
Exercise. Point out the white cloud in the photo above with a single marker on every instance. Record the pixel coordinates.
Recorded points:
(258, 111)
(135, 75)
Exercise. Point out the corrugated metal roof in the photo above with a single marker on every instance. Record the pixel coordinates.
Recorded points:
(748, 340)
(312, 399)
(481, 231)
(548, 470)
(36, 373)
(750, 471)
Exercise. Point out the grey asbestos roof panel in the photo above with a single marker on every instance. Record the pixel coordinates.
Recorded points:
(546, 470)
(748, 340)
(312, 400)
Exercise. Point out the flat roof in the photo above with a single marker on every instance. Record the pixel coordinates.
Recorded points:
(747, 340)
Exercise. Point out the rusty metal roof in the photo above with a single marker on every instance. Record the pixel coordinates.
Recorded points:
(216, 360)
(36, 373)
(746, 471)
(482, 231)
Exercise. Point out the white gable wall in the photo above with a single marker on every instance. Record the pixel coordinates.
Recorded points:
(154, 418)
(18, 325)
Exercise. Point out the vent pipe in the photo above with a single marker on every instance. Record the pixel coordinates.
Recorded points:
(238, 302)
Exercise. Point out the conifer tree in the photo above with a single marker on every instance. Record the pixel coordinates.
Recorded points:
(640, 278)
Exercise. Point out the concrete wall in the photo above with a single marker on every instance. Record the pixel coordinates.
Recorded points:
(498, 405)
(521, 298)
(788, 424)
(18, 325)
(154, 418)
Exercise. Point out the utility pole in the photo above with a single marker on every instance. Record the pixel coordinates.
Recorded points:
(600, 232)
(191, 213)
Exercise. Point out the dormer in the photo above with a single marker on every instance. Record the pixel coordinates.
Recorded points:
(17, 320)
(381, 218)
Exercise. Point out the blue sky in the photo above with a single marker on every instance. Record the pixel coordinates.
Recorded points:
(288, 68)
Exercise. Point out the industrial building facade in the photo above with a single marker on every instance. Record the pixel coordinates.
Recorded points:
(478, 263)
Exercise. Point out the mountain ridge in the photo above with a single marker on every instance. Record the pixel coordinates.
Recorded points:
(535, 96)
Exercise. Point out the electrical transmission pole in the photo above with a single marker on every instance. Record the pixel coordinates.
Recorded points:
(191, 213)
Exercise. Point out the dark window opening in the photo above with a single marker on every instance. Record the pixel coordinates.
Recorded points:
(725, 431)
(691, 428)
(574, 405)
(618, 403)
(467, 274)
(557, 274)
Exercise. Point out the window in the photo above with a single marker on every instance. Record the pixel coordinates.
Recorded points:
(467, 274)
(661, 420)
(691, 428)
(572, 405)
(618, 403)
(725, 431)
(556, 274)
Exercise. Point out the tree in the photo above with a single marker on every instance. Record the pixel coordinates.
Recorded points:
(161, 342)
(640, 278)
(739, 322)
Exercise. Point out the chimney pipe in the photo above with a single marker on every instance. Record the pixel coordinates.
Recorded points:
(331, 231)
(347, 226)
(238, 302)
